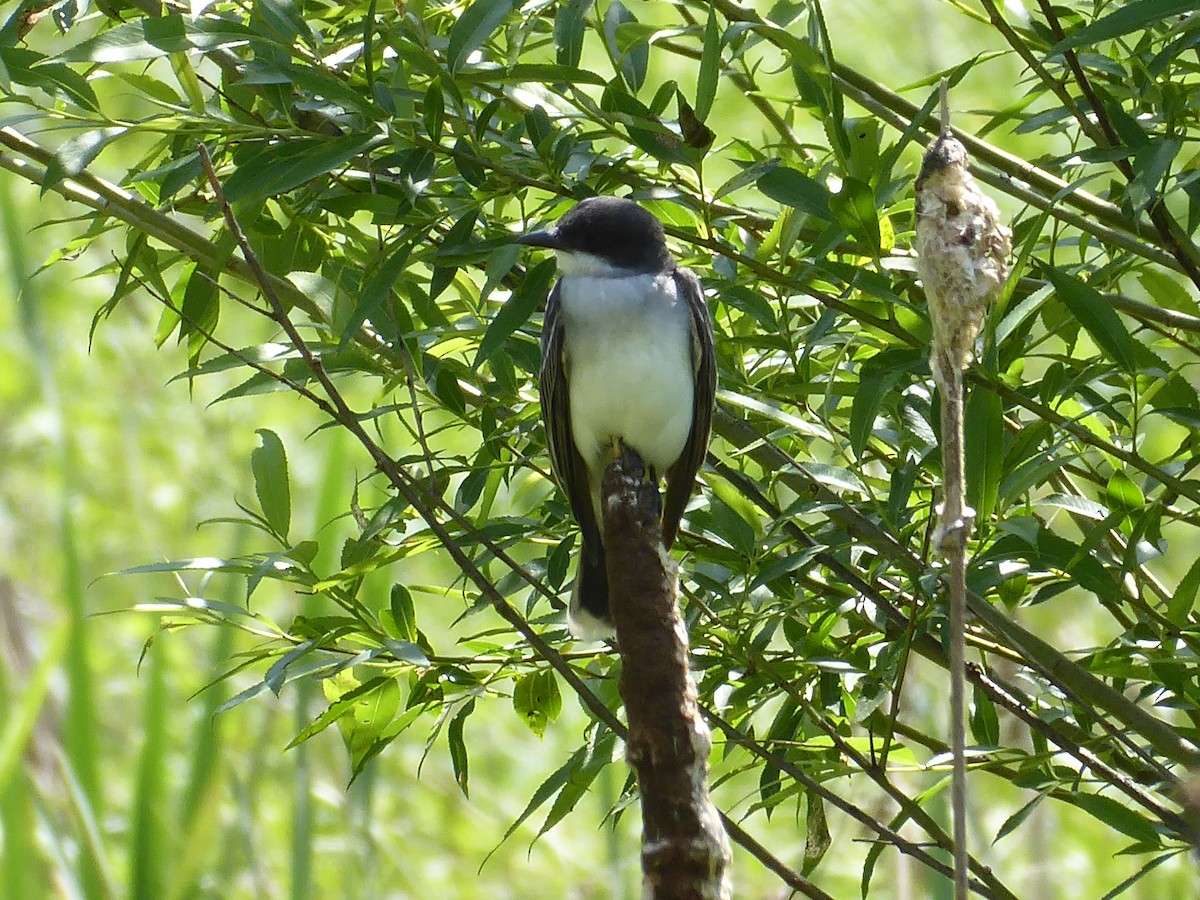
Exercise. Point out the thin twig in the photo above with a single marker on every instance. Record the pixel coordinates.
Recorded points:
(890, 835)
(956, 522)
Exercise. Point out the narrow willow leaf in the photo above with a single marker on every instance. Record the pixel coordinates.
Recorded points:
(477, 23)
(29, 68)
(580, 779)
(269, 464)
(1126, 18)
(458, 747)
(793, 188)
(403, 612)
(433, 111)
(338, 708)
(570, 26)
(517, 310)
(545, 791)
(274, 678)
(1123, 492)
(1116, 815)
(287, 165)
(1096, 315)
(77, 154)
(983, 427)
(1184, 598)
(200, 311)
(1013, 822)
(876, 382)
(710, 67)
(985, 724)
(376, 291)
(748, 175)
(633, 60)
(816, 832)
(150, 38)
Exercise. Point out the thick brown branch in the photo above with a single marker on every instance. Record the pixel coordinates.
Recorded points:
(685, 850)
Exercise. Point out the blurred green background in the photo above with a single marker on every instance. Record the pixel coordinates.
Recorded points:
(116, 777)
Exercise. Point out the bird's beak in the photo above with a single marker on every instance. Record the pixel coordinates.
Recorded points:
(547, 239)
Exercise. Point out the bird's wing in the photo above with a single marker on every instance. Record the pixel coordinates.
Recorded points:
(682, 475)
(569, 468)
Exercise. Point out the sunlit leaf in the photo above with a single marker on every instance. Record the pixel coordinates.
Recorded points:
(269, 463)
(473, 27)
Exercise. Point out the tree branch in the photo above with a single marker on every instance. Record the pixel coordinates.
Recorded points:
(685, 850)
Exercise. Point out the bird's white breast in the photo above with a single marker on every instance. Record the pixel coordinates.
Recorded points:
(629, 366)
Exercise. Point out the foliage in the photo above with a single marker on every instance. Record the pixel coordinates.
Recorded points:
(380, 159)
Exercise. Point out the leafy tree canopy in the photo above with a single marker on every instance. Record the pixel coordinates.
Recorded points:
(380, 159)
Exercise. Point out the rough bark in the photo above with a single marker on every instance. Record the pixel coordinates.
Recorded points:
(685, 850)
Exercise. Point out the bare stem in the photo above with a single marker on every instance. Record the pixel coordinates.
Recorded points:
(954, 528)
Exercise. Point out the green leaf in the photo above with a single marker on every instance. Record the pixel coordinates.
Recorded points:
(983, 427)
(200, 310)
(338, 708)
(458, 747)
(149, 38)
(474, 26)
(370, 715)
(274, 678)
(1123, 492)
(876, 381)
(816, 832)
(546, 790)
(289, 164)
(268, 461)
(537, 699)
(376, 291)
(433, 111)
(32, 69)
(1127, 18)
(516, 312)
(1095, 314)
(404, 614)
(570, 25)
(286, 19)
(793, 188)
(1184, 598)
(581, 777)
(710, 66)
(634, 59)
(985, 724)
(644, 128)
(1167, 290)
(748, 175)
(522, 73)
(77, 154)
(1014, 821)
(1116, 815)
(854, 209)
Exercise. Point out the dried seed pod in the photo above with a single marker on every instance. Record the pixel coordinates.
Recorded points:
(962, 252)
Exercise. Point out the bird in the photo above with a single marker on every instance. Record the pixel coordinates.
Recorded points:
(627, 358)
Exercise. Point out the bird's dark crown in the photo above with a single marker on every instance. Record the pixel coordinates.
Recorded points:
(943, 153)
(614, 229)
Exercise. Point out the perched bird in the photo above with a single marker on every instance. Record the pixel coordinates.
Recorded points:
(627, 357)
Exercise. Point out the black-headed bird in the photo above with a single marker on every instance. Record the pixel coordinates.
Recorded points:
(627, 357)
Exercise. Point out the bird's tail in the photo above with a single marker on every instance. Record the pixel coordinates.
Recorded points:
(589, 616)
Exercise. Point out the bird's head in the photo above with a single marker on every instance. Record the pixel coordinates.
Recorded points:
(605, 235)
